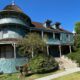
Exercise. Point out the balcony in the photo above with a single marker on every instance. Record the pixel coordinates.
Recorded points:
(58, 42)
(12, 20)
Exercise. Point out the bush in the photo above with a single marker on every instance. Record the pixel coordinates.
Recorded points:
(42, 63)
(75, 56)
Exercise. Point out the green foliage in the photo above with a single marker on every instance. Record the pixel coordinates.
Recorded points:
(31, 43)
(9, 77)
(77, 27)
(42, 63)
(77, 40)
(75, 56)
(77, 36)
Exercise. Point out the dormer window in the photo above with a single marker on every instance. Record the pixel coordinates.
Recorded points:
(47, 23)
(53, 26)
(56, 25)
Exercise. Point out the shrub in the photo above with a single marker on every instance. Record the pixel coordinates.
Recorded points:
(42, 63)
(75, 56)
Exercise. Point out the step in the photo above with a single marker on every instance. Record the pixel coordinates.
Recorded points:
(65, 62)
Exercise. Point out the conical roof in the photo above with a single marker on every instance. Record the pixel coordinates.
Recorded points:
(12, 7)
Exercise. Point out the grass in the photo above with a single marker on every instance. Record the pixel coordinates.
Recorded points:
(9, 77)
(32, 77)
(73, 76)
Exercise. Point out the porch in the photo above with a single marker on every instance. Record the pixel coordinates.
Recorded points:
(58, 50)
(6, 51)
(9, 58)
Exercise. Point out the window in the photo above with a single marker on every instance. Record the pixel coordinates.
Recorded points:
(5, 33)
(9, 52)
(6, 52)
(68, 37)
(2, 52)
(57, 36)
(50, 35)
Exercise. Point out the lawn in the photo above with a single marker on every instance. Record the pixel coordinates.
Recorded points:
(15, 76)
(73, 76)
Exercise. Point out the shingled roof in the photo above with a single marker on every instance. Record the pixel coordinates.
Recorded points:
(13, 8)
(37, 25)
(9, 39)
(40, 25)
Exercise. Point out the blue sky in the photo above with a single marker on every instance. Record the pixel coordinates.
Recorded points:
(65, 11)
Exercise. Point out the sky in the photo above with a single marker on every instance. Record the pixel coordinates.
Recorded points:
(67, 12)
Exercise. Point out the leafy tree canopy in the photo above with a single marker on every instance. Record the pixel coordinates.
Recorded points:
(31, 43)
(77, 27)
(77, 36)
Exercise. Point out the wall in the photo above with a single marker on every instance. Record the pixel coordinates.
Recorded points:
(8, 65)
(12, 32)
(65, 38)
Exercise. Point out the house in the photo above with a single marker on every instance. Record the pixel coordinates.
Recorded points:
(15, 24)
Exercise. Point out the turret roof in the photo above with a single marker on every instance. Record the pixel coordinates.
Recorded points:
(12, 7)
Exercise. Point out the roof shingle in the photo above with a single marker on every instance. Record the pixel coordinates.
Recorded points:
(13, 7)
(40, 25)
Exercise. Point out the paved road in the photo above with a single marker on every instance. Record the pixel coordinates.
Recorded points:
(68, 71)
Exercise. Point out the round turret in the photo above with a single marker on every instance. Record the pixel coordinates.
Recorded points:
(13, 14)
(13, 22)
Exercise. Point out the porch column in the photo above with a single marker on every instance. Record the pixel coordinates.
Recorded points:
(53, 35)
(60, 50)
(70, 48)
(47, 49)
(14, 50)
(42, 34)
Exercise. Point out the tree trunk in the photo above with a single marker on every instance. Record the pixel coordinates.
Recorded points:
(32, 53)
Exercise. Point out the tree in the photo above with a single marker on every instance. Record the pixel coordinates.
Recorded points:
(77, 35)
(77, 41)
(77, 27)
(31, 43)
(76, 55)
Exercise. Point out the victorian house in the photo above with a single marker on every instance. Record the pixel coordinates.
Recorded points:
(15, 24)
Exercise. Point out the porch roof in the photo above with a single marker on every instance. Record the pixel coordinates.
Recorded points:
(8, 40)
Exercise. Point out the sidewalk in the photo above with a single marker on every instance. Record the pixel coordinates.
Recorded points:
(68, 71)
